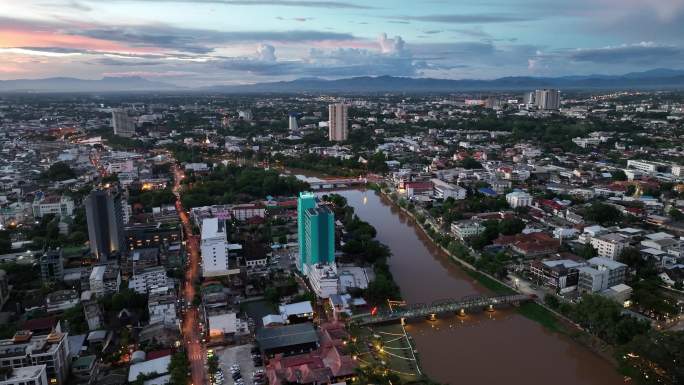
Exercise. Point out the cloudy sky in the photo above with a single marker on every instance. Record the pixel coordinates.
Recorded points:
(202, 42)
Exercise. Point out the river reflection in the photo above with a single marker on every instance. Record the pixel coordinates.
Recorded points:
(486, 348)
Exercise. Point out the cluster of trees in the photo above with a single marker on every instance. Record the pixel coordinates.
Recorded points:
(183, 154)
(75, 320)
(45, 234)
(602, 213)
(377, 163)
(549, 133)
(492, 229)
(604, 318)
(5, 242)
(647, 355)
(161, 169)
(126, 299)
(21, 276)
(322, 164)
(213, 364)
(361, 243)
(232, 184)
(479, 203)
(335, 166)
(57, 172)
(151, 198)
(647, 295)
(619, 175)
(179, 367)
(470, 164)
(362, 247)
(494, 264)
(119, 142)
(124, 144)
(273, 293)
(654, 357)
(451, 210)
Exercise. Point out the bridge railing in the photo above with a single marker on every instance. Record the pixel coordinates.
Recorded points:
(439, 306)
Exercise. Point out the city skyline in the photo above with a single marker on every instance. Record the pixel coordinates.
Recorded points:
(234, 42)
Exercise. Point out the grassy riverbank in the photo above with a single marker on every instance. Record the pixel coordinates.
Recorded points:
(491, 284)
(540, 314)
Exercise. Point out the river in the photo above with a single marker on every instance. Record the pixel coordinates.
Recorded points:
(502, 347)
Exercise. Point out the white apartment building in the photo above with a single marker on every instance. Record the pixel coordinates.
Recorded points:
(61, 300)
(125, 166)
(122, 124)
(147, 279)
(162, 309)
(62, 206)
(547, 99)
(246, 211)
(642, 165)
(105, 279)
(25, 350)
(196, 167)
(246, 115)
(466, 229)
(601, 274)
(214, 248)
(518, 199)
(292, 122)
(93, 315)
(338, 123)
(609, 245)
(324, 280)
(677, 170)
(444, 190)
(28, 375)
(515, 175)
(586, 142)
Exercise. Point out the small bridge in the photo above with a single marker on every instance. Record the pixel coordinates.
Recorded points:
(453, 306)
(322, 184)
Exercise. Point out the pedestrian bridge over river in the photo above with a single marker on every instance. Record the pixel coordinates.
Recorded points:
(441, 307)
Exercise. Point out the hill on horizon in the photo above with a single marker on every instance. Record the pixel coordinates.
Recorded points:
(660, 78)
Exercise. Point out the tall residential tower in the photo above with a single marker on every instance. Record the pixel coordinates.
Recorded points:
(122, 123)
(316, 230)
(292, 121)
(105, 223)
(547, 99)
(214, 247)
(338, 126)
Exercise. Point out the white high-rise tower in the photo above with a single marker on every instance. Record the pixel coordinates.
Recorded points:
(122, 123)
(338, 129)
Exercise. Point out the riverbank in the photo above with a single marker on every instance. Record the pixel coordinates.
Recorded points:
(534, 311)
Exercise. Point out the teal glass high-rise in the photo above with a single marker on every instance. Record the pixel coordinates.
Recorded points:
(316, 230)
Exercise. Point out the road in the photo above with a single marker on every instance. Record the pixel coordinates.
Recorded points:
(191, 320)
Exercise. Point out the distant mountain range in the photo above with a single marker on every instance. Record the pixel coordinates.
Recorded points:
(657, 78)
(661, 78)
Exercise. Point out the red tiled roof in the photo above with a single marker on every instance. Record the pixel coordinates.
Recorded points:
(288, 203)
(45, 323)
(319, 366)
(529, 243)
(418, 185)
(158, 354)
(551, 204)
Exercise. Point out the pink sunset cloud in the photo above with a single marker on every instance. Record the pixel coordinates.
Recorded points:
(24, 37)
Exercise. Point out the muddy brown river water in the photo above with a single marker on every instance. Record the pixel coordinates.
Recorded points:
(502, 347)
